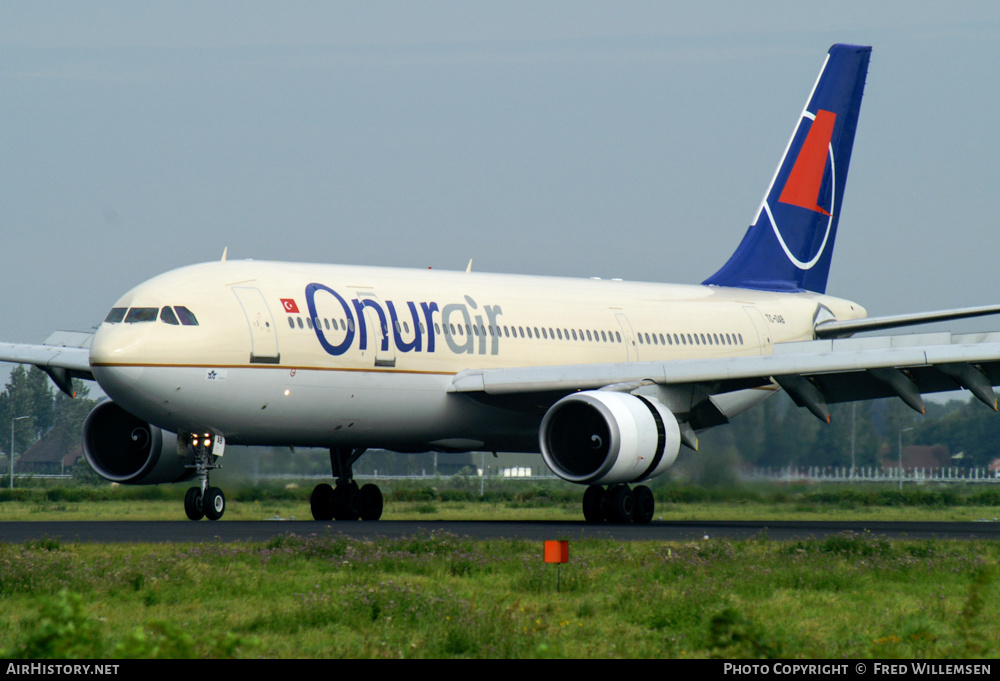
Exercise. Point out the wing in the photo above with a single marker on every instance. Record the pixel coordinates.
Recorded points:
(64, 355)
(814, 373)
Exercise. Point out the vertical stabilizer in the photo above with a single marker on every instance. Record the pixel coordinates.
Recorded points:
(789, 245)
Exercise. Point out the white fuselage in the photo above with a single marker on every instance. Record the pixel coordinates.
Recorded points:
(323, 355)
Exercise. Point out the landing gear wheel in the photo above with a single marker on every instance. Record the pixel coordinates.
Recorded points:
(621, 504)
(321, 501)
(645, 505)
(370, 502)
(345, 501)
(215, 503)
(193, 504)
(594, 504)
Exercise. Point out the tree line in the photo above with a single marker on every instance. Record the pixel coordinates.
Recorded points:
(45, 412)
(778, 434)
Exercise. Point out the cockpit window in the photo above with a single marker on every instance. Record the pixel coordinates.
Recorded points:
(142, 314)
(167, 315)
(116, 315)
(186, 316)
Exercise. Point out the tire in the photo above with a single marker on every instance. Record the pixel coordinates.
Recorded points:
(215, 503)
(321, 502)
(645, 505)
(621, 504)
(594, 503)
(370, 502)
(193, 506)
(345, 501)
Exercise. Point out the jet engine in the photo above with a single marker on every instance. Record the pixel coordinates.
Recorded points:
(607, 438)
(123, 448)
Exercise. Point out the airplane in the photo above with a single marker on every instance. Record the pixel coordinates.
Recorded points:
(607, 379)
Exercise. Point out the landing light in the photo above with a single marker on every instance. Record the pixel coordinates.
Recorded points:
(287, 392)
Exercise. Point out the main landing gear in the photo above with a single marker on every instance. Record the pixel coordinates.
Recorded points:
(345, 501)
(204, 501)
(618, 504)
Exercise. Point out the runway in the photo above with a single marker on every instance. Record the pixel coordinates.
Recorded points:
(258, 531)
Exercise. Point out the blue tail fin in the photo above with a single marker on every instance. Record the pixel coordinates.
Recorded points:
(789, 245)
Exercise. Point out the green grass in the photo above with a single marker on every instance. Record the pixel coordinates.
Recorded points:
(437, 595)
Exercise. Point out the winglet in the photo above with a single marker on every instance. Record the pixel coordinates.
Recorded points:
(224, 252)
(789, 245)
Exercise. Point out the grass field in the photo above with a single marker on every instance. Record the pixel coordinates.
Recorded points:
(443, 596)
(438, 595)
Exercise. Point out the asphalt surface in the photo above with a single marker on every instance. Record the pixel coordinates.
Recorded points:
(228, 531)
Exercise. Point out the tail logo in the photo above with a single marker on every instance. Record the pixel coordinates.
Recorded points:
(805, 182)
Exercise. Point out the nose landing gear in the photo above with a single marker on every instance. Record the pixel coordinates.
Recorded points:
(204, 501)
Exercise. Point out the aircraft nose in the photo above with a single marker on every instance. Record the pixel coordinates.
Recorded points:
(116, 357)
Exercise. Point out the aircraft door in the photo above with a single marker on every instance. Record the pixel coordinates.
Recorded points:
(628, 338)
(764, 340)
(376, 324)
(263, 335)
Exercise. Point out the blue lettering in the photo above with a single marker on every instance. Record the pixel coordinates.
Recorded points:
(400, 343)
(366, 309)
(429, 310)
(332, 349)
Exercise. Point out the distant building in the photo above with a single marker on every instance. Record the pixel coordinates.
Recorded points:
(919, 456)
(46, 457)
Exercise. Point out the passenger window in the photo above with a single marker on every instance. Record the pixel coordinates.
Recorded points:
(116, 315)
(138, 315)
(291, 323)
(185, 315)
(167, 315)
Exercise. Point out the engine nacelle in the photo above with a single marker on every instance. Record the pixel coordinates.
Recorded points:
(123, 448)
(605, 438)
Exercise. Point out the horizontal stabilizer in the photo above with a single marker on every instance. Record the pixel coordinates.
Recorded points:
(835, 329)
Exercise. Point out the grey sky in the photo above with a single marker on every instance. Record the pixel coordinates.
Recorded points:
(628, 139)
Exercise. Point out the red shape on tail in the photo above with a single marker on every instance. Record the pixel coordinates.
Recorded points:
(803, 184)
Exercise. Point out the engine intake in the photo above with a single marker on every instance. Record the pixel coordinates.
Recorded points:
(123, 448)
(606, 438)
